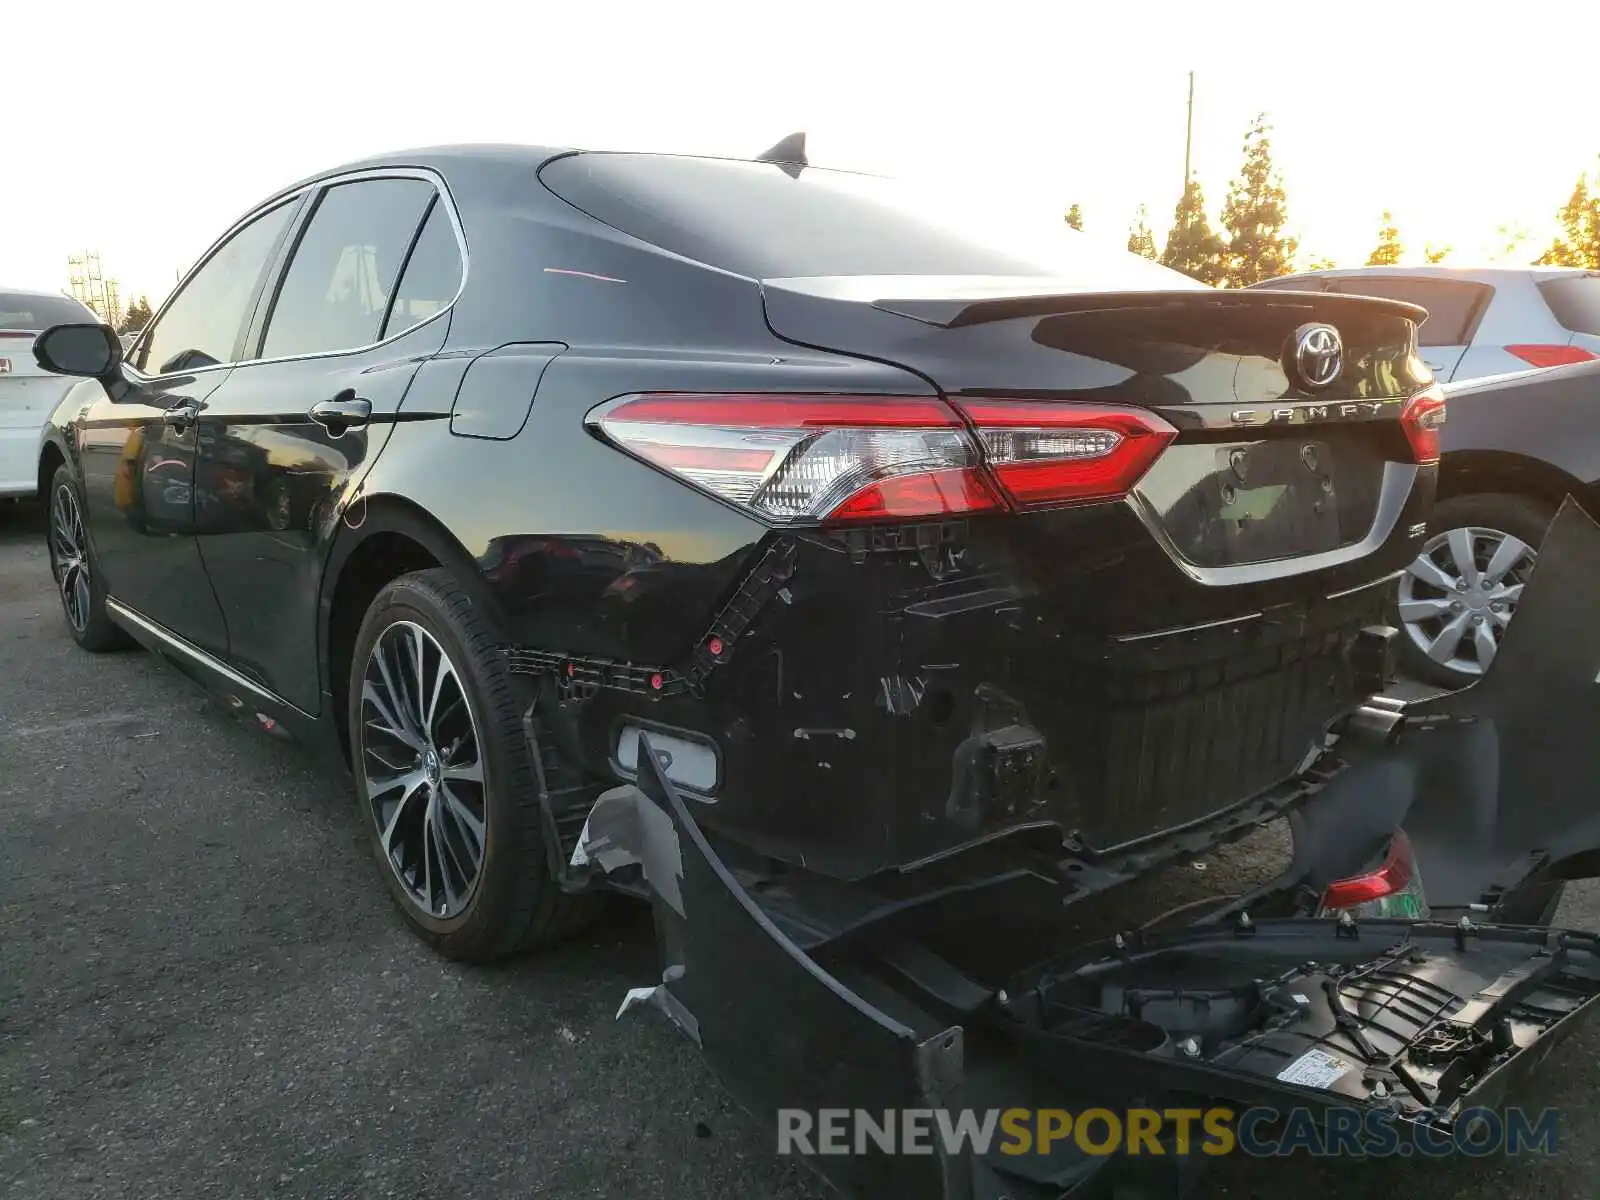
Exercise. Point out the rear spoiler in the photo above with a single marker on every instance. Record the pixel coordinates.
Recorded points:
(950, 302)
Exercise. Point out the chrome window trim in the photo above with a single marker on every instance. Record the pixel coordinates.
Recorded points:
(441, 190)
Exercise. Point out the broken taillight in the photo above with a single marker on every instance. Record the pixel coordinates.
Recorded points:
(1391, 889)
(1421, 418)
(794, 459)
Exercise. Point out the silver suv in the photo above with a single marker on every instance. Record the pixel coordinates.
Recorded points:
(1495, 321)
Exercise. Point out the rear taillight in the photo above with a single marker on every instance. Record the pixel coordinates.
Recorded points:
(1552, 355)
(1044, 453)
(1392, 889)
(802, 459)
(1421, 418)
(798, 459)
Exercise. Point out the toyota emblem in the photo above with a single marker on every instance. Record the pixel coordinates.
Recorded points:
(1317, 356)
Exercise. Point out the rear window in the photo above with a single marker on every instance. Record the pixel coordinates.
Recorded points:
(770, 222)
(33, 314)
(1574, 302)
(1453, 305)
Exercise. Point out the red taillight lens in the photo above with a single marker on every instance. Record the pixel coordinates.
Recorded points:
(798, 459)
(1421, 418)
(804, 459)
(1552, 356)
(1045, 453)
(1393, 877)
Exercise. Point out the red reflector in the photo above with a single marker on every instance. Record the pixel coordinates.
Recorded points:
(1421, 418)
(1392, 877)
(1552, 356)
(1046, 453)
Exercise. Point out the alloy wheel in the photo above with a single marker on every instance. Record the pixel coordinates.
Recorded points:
(69, 556)
(1461, 592)
(422, 761)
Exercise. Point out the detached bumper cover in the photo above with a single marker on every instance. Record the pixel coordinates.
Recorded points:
(797, 1006)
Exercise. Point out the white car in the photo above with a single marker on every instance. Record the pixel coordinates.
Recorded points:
(1497, 321)
(28, 394)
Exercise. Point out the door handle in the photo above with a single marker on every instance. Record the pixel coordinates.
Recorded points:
(181, 415)
(344, 411)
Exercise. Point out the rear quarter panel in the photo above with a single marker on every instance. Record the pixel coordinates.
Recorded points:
(1549, 417)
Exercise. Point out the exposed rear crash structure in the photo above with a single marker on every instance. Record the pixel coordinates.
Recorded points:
(968, 981)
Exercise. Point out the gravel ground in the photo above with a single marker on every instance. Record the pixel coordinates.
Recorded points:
(204, 991)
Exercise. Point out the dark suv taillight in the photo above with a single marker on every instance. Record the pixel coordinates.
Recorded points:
(1421, 418)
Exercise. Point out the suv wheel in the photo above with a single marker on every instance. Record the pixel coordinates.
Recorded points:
(1459, 595)
(445, 779)
(75, 570)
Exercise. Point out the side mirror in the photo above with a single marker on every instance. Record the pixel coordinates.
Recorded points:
(93, 351)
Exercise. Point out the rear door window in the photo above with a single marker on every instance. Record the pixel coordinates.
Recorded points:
(335, 294)
(1574, 302)
(1454, 305)
(765, 221)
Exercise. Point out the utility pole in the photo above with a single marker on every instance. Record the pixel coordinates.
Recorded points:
(1188, 136)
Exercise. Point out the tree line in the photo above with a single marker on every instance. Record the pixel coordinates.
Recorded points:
(137, 316)
(1253, 246)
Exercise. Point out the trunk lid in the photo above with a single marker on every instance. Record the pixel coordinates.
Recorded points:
(1266, 466)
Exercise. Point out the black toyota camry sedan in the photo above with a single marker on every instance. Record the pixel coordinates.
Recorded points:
(862, 578)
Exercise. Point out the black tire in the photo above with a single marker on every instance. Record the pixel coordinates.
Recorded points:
(514, 905)
(92, 628)
(1522, 517)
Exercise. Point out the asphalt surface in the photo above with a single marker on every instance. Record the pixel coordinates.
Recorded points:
(205, 992)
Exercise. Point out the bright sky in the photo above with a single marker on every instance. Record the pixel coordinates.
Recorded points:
(145, 128)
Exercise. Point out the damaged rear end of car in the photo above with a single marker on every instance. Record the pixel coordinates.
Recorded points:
(999, 980)
(1094, 590)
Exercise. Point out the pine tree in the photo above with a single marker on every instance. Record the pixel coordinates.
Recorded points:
(137, 316)
(1191, 246)
(1140, 239)
(1256, 213)
(1579, 243)
(1075, 218)
(1388, 251)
